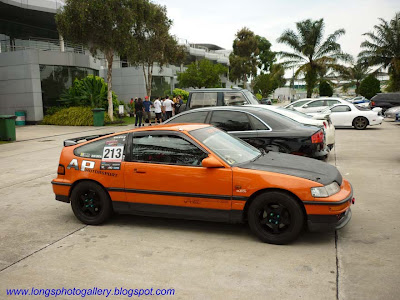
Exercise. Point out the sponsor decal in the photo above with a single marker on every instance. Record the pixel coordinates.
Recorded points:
(86, 164)
(110, 165)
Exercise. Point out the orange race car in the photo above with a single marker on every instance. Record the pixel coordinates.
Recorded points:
(196, 171)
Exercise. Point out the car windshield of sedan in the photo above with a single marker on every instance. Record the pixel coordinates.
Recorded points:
(229, 148)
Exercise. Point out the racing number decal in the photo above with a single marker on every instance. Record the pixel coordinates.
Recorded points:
(112, 158)
(113, 154)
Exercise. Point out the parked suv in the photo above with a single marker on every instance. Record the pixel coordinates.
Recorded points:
(385, 100)
(218, 97)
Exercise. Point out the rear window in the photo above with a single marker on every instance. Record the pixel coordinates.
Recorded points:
(203, 99)
(195, 117)
(95, 149)
(234, 98)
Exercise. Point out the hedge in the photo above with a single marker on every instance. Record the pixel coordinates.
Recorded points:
(73, 116)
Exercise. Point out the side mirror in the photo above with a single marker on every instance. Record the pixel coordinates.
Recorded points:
(305, 106)
(211, 162)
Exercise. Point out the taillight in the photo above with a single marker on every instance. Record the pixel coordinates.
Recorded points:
(61, 170)
(372, 103)
(317, 137)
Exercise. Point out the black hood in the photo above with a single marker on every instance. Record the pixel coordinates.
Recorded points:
(298, 166)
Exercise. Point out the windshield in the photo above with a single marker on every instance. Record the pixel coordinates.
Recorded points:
(230, 149)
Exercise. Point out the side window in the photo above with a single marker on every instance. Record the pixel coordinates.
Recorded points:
(95, 149)
(203, 99)
(332, 102)
(257, 124)
(166, 149)
(234, 98)
(341, 108)
(230, 120)
(196, 117)
(316, 103)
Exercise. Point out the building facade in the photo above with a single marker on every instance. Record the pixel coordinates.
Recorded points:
(37, 65)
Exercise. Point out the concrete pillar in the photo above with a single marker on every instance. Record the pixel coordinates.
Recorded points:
(62, 48)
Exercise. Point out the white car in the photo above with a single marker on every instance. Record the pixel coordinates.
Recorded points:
(350, 115)
(323, 122)
(314, 105)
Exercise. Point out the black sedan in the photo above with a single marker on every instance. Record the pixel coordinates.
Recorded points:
(261, 128)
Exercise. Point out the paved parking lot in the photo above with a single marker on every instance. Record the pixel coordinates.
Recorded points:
(43, 245)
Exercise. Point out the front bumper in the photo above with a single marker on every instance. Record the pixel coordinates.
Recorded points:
(318, 223)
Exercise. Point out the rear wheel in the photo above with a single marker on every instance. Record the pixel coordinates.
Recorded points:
(360, 123)
(90, 203)
(275, 218)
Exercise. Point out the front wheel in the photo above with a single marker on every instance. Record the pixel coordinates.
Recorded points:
(360, 123)
(90, 203)
(275, 218)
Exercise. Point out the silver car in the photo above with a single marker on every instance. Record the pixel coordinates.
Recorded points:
(392, 112)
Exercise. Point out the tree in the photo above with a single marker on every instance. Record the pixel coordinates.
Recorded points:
(266, 83)
(155, 44)
(108, 26)
(325, 89)
(311, 53)
(243, 59)
(203, 73)
(383, 49)
(354, 75)
(369, 87)
(266, 57)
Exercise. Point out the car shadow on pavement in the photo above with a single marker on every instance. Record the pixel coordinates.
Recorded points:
(240, 231)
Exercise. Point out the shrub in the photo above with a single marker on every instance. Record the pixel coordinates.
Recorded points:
(73, 116)
(325, 89)
(179, 92)
(89, 91)
(258, 96)
(369, 87)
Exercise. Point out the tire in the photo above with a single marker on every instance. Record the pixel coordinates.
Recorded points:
(90, 203)
(360, 123)
(275, 218)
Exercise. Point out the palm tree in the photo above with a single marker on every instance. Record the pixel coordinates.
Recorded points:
(312, 55)
(353, 75)
(383, 49)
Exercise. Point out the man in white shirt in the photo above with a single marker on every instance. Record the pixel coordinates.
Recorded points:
(157, 110)
(168, 104)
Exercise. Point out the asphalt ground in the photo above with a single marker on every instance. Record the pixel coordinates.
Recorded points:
(42, 244)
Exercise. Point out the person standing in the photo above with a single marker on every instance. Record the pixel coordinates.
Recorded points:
(168, 105)
(147, 104)
(139, 109)
(157, 110)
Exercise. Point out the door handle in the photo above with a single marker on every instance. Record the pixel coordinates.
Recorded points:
(138, 171)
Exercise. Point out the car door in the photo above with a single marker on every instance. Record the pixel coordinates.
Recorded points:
(313, 106)
(236, 123)
(164, 175)
(341, 115)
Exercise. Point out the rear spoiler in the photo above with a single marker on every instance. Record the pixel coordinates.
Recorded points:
(78, 140)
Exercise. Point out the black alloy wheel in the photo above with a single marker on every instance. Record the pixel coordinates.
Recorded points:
(275, 217)
(360, 123)
(90, 203)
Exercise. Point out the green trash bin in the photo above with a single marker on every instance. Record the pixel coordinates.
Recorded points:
(98, 116)
(7, 127)
(21, 117)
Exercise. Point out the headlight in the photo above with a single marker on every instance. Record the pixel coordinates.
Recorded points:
(325, 191)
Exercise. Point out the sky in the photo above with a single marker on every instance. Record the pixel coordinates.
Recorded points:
(217, 21)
